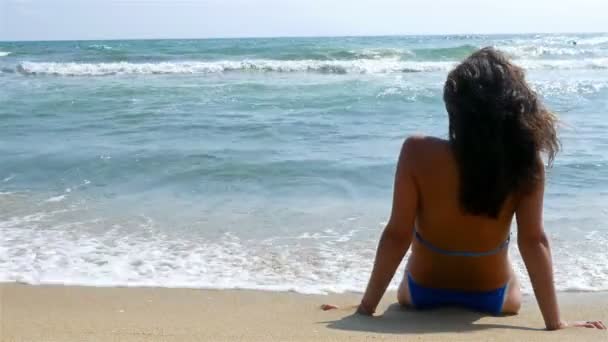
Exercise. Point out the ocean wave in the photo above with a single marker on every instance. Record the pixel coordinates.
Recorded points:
(55, 199)
(428, 54)
(570, 64)
(99, 47)
(547, 88)
(593, 41)
(540, 48)
(351, 55)
(569, 87)
(456, 52)
(4, 53)
(333, 53)
(536, 51)
(362, 66)
(312, 262)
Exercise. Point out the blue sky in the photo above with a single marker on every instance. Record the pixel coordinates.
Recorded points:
(115, 19)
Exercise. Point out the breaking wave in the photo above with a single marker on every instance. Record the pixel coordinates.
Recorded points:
(361, 66)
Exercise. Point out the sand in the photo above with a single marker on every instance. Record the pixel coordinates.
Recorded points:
(65, 313)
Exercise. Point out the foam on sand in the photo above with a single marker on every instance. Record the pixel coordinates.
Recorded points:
(77, 253)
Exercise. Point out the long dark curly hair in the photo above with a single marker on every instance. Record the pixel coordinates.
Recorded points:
(498, 128)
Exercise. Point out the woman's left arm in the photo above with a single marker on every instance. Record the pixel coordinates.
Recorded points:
(397, 236)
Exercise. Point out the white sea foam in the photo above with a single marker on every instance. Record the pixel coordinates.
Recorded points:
(361, 66)
(569, 87)
(313, 262)
(55, 199)
(594, 41)
(535, 51)
(99, 47)
(4, 53)
(412, 92)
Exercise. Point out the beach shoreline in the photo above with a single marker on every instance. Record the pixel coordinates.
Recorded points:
(262, 164)
(74, 313)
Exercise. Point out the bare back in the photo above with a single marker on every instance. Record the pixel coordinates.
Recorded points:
(499, 129)
(441, 221)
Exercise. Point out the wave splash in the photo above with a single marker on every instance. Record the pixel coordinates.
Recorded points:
(327, 67)
(334, 263)
(362, 66)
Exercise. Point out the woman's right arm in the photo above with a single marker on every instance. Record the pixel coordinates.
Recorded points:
(397, 236)
(536, 253)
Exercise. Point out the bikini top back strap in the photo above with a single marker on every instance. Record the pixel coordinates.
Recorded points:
(435, 249)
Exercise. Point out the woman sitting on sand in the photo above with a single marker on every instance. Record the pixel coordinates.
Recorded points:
(454, 200)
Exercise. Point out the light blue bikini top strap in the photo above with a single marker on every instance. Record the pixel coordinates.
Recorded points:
(466, 254)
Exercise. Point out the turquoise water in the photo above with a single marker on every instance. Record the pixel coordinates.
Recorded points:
(259, 163)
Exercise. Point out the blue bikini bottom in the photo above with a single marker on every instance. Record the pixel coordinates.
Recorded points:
(481, 301)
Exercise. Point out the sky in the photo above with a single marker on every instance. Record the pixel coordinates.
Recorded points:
(119, 19)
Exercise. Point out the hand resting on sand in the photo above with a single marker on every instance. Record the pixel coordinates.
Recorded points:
(360, 309)
(585, 324)
(562, 325)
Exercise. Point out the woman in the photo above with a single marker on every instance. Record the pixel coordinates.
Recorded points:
(454, 200)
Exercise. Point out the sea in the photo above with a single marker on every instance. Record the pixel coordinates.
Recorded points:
(261, 163)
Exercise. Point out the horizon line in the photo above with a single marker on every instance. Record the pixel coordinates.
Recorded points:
(300, 36)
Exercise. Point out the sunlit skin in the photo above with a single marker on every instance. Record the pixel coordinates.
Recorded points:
(426, 198)
(454, 201)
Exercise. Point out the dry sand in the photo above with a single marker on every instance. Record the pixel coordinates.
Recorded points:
(59, 313)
